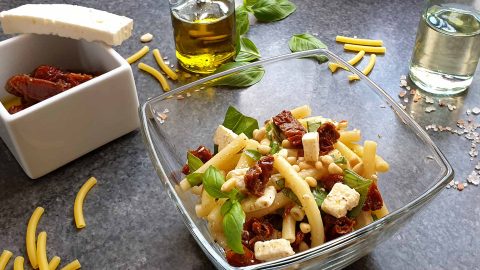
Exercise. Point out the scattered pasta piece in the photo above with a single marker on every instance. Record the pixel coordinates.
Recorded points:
(146, 37)
(163, 66)
(359, 41)
(366, 70)
(31, 236)
(4, 258)
(334, 66)
(42, 251)
(155, 73)
(78, 205)
(18, 263)
(72, 266)
(54, 263)
(136, 56)
(367, 49)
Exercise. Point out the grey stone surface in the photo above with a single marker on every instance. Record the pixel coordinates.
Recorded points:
(131, 222)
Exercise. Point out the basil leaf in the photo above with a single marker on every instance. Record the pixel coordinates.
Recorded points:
(305, 42)
(212, 183)
(248, 51)
(233, 226)
(242, 78)
(313, 126)
(280, 183)
(193, 162)
(374, 217)
(239, 123)
(226, 207)
(272, 10)
(319, 194)
(274, 147)
(255, 155)
(340, 160)
(241, 20)
(195, 179)
(289, 193)
(361, 185)
(249, 3)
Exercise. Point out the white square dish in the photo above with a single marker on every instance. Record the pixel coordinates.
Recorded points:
(55, 131)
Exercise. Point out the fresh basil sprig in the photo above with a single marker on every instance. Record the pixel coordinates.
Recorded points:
(304, 42)
(242, 78)
(233, 215)
(241, 20)
(272, 10)
(254, 155)
(248, 51)
(239, 123)
(361, 185)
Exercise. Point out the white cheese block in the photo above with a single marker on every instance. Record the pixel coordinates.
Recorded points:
(340, 200)
(311, 146)
(67, 21)
(223, 136)
(272, 249)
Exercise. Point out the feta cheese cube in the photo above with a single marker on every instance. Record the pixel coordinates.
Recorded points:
(223, 136)
(311, 146)
(339, 200)
(272, 249)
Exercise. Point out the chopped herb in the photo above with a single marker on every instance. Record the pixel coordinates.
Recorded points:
(255, 155)
(239, 123)
(215, 149)
(195, 179)
(361, 185)
(313, 126)
(275, 147)
(374, 217)
(193, 162)
(340, 160)
(280, 183)
(289, 193)
(319, 194)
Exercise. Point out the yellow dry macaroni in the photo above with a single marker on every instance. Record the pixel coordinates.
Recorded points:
(359, 41)
(136, 56)
(163, 66)
(334, 66)
(4, 258)
(18, 263)
(31, 236)
(366, 70)
(155, 73)
(74, 265)
(42, 251)
(367, 49)
(78, 205)
(54, 263)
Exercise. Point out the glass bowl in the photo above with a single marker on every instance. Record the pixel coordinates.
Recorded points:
(418, 170)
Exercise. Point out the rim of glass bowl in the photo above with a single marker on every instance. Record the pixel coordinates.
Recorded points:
(220, 261)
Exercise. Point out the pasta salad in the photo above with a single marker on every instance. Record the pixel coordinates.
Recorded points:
(272, 191)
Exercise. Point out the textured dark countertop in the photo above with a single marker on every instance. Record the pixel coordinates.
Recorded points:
(131, 222)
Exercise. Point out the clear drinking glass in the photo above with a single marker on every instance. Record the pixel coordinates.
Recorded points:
(204, 32)
(447, 47)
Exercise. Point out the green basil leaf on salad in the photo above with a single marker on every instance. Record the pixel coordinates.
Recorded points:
(305, 42)
(195, 179)
(313, 126)
(254, 155)
(319, 194)
(241, 20)
(193, 162)
(244, 78)
(226, 207)
(361, 185)
(274, 147)
(239, 123)
(340, 160)
(248, 51)
(212, 183)
(272, 10)
(233, 226)
(280, 183)
(289, 193)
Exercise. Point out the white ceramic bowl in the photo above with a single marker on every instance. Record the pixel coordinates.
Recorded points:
(64, 127)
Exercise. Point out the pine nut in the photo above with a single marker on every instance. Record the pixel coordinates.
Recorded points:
(334, 169)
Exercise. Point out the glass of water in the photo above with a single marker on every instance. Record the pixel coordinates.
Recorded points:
(447, 47)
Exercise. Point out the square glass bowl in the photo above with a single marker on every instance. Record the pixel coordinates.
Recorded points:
(66, 126)
(418, 170)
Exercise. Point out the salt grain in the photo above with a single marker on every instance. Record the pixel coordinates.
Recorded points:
(476, 110)
(402, 93)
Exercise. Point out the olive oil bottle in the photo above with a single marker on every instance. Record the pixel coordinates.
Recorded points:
(204, 32)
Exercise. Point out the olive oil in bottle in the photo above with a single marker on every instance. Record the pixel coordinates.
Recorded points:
(204, 33)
